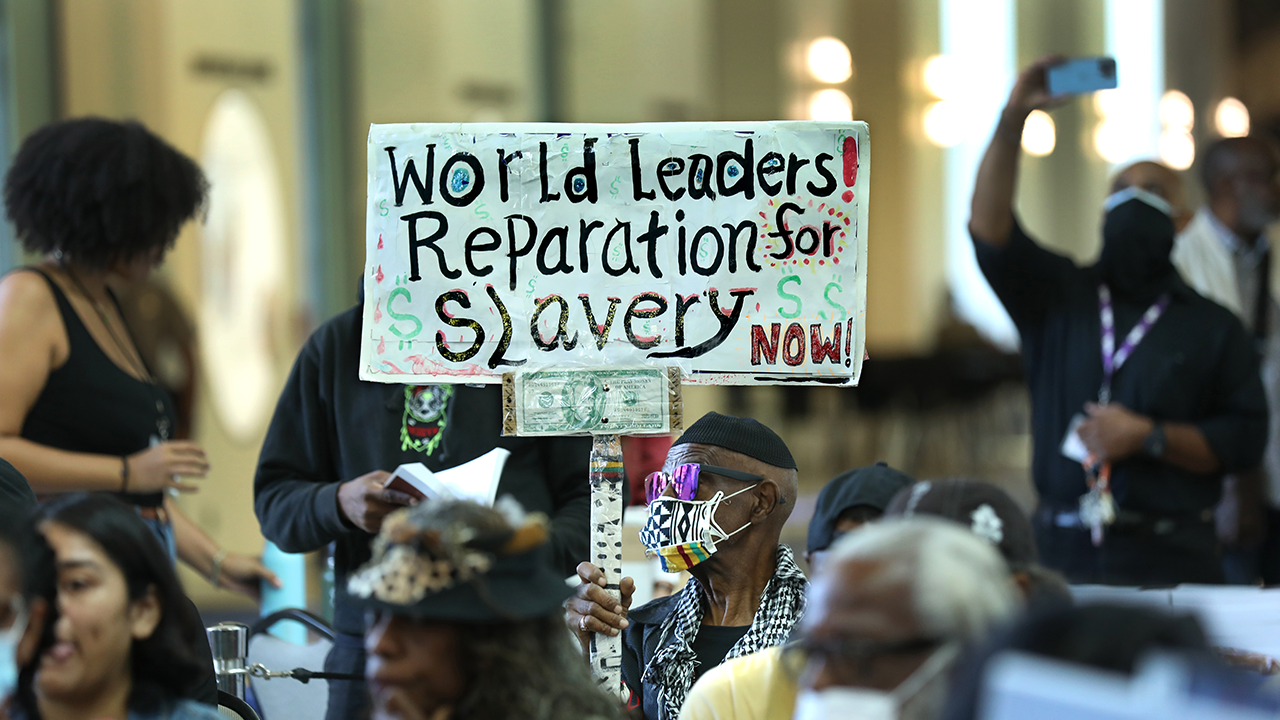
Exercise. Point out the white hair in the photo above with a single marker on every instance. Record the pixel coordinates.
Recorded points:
(960, 584)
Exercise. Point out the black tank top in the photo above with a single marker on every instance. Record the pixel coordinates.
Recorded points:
(90, 405)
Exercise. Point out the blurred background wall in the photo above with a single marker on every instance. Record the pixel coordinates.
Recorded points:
(274, 97)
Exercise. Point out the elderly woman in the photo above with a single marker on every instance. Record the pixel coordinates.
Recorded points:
(464, 620)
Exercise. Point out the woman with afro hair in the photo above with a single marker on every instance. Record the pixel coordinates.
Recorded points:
(99, 202)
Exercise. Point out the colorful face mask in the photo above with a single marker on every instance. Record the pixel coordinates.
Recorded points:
(683, 533)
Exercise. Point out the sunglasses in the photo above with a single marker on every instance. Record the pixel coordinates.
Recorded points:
(685, 480)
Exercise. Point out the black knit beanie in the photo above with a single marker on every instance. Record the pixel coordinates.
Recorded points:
(741, 435)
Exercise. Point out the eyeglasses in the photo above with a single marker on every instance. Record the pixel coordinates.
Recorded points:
(850, 658)
(685, 480)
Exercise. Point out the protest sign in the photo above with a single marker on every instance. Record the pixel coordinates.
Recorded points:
(733, 251)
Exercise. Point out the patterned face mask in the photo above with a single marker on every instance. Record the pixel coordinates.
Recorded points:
(683, 533)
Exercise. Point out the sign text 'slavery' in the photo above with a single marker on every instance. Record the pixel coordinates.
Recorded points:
(736, 251)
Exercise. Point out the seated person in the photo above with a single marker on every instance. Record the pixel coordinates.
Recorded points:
(1114, 638)
(120, 645)
(887, 614)
(717, 510)
(847, 502)
(463, 609)
(990, 514)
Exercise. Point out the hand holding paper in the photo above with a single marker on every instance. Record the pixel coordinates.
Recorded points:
(476, 480)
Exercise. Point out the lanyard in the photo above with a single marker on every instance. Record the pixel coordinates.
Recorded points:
(1112, 358)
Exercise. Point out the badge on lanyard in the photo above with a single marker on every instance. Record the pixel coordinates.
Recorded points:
(1098, 506)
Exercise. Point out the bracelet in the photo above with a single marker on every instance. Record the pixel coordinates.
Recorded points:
(215, 575)
(124, 473)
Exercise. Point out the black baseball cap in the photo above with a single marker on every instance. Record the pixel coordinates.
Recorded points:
(874, 485)
(981, 507)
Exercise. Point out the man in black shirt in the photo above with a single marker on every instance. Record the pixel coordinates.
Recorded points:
(333, 440)
(1173, 403)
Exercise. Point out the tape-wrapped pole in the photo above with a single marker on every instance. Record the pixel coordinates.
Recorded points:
(606, 550)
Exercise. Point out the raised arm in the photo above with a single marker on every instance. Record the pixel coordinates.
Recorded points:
(991, 212)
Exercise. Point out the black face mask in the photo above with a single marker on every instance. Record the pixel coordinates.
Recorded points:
(1137, 240)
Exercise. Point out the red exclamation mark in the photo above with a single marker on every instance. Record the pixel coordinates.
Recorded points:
(848, 344)
(850, 161)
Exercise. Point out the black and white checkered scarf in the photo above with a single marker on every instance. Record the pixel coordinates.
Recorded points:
(671, 668)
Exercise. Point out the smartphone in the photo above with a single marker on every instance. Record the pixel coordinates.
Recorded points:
(1081, 75)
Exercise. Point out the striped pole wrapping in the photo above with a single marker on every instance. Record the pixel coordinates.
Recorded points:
(606, 551)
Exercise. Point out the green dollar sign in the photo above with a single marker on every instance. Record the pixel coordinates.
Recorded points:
(407, 317)
(564, 153)
(382, 208)
(783, 294)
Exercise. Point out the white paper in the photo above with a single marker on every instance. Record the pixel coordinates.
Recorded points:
(476, 480)
(1072, 446)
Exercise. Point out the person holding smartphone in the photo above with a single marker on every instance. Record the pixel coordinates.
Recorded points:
(1144, 394)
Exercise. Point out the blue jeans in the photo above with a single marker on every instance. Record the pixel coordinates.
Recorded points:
(163, 531)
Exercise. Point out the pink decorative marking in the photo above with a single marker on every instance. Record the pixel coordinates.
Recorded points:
(378, 275)
(382, 345)
(377, 311)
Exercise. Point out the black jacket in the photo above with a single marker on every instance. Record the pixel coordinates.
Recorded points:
(329, 427)
(15, 492)
(640, 643)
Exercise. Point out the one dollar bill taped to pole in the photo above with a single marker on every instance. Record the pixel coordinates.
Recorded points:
(599, 401)
(592, 269)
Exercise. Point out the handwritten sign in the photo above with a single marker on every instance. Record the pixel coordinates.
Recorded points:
(735, 251)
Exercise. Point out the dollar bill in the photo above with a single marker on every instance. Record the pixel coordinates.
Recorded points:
(625, 401)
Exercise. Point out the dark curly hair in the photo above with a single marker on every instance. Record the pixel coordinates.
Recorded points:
(100, 191)
(532, 670)
(165, 666)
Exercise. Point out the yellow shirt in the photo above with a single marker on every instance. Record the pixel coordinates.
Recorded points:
(751, 687)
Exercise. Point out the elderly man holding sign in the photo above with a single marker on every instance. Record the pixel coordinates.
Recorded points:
(716, 509)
